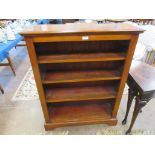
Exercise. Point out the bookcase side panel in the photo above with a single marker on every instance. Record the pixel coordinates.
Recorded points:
(33, 59)
(127, 64)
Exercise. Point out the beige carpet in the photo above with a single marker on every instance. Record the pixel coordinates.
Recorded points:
(27, 89)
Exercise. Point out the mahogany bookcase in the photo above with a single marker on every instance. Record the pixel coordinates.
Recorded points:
(80, 70)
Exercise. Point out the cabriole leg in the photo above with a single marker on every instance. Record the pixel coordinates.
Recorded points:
(138, 106)
(131, 95)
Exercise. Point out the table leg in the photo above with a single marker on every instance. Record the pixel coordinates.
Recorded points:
(131, 95)
(138, 106)
(11, 65)
(1, 89)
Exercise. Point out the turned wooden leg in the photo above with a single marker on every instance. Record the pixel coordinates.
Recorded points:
(1, 89)
(11, 65)
(131, 95)
(138, 106)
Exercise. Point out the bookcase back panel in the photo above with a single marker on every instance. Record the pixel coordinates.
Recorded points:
(81, 47)
(117, 65)
(113, 84)
(81, 103)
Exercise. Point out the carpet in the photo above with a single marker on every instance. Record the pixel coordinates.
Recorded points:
(27, 89)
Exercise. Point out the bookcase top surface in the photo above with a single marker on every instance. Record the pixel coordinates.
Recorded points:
(79, 28)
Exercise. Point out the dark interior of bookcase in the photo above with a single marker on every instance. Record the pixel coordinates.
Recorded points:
(63, 79)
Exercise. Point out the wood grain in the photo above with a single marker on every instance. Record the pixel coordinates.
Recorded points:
(70, 47)
(81, 28)
(79, 93)
(75, 63)
(127, 64)
(82, 66)
(144, 75)
(80, 76)
(66, 58)
(33, 59)
(80, 38)
(77, 115)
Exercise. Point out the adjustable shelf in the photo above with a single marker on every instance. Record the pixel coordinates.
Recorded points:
(80, 93)
(80, 76)
(80, 70)
(89, 57)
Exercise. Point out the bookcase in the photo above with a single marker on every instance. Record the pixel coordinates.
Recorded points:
(80, 70)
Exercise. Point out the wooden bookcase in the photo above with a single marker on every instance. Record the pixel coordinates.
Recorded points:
(80, 70)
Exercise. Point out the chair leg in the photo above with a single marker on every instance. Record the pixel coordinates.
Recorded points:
(131, 95)
(1, 89)
(138, 106)
(11, 65)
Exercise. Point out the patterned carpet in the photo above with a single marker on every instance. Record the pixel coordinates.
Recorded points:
(27, 89)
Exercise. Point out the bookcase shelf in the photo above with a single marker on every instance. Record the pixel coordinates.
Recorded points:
(80, 70)
(79, 93)
(89, 57)
(80, 76)
(84, 114)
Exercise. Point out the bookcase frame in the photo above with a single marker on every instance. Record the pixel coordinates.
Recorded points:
(84, 86)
